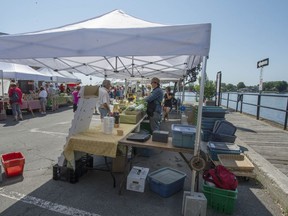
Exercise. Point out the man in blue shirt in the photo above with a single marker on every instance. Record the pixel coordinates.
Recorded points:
(154, 101)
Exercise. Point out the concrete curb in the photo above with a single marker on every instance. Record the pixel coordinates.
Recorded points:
(270, 177)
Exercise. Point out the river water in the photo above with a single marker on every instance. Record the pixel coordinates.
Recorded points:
(269, 100)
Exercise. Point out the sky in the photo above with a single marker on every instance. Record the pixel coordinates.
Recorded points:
(243, 32)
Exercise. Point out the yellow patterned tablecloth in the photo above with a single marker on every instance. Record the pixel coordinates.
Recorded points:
(94, 141)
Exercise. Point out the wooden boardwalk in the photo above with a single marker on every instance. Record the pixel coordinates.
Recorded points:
(267, 140)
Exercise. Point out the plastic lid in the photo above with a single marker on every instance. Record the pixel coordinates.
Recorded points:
(167, 175)
(184, 128)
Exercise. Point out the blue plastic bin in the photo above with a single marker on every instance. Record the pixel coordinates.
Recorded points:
(166, 181)
(213, 111)
(215, 148)
(183, 135)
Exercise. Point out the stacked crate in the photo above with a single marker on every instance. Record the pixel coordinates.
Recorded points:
(65, 173)
(210, 115)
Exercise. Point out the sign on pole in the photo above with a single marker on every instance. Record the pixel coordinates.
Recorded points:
(261, 64)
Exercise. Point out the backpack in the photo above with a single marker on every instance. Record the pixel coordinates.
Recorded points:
(221, 177)
(14, 98)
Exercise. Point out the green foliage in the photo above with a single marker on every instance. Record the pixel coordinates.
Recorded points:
(231, 88)
(279, 86)
(275, 86)
(209, 88)
(241, 85)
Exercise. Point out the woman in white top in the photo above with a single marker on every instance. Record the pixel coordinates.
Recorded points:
(43, 99)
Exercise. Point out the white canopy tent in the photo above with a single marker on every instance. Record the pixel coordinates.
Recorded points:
(21, 72)
(60, 76)
(11, 71)
(70, 78)
(116, 45)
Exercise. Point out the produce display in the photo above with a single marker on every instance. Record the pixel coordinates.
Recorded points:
(139, 105)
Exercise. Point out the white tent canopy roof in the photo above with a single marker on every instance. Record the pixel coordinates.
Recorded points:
(21, 72)
(57, 76)
(114, 45)
(70, 78)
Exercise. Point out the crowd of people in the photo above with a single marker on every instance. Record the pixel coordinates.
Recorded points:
(48, 91)
(159, 104)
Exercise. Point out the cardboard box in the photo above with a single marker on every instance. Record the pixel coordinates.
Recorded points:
(118, 164)
(130, 119)
(91, 91)
(137, 178)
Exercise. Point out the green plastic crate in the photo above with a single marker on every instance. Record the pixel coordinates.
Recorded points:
(219, 199)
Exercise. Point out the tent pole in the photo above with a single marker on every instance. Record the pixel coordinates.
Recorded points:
(199, 121)
(183, 92)
(2, 86)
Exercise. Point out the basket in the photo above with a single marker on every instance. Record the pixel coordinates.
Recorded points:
(13, 163)
(236, 162)
(219, 199)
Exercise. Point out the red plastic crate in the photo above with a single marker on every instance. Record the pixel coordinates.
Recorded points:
(13, 163)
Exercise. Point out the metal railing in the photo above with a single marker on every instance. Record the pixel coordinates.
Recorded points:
(256, 102)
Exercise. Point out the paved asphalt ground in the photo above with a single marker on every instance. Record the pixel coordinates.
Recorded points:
(41, 140)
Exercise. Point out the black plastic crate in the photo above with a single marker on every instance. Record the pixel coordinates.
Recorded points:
(68, 174)
(224, 127)
(223, 138)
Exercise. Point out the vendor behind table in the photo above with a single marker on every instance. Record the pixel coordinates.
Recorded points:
(154, 101)
(104, 99)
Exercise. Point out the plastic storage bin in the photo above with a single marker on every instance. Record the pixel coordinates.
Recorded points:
(219, 199)
(224, 127)
(223, 138)
(215, 148)
(13, 163)
(183, 135)
(213, 111)
(166, 181)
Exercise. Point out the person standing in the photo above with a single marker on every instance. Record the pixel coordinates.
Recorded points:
(104, 99)
(43, 99)
(154, 107)
(167, 103)
(76, 97)
(15, 99)
(52, 96)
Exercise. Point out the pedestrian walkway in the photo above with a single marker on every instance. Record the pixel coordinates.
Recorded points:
(268, 149)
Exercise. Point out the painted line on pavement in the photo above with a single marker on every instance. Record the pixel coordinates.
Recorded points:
(44, 204)
(36, 130)
(61, 123)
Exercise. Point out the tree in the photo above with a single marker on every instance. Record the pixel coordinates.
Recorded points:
(231, 88)
(241, 85)
(281, 86)
(209, 88)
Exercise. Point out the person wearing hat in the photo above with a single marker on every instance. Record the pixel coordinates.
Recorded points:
(154, 101)
(104, 99)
